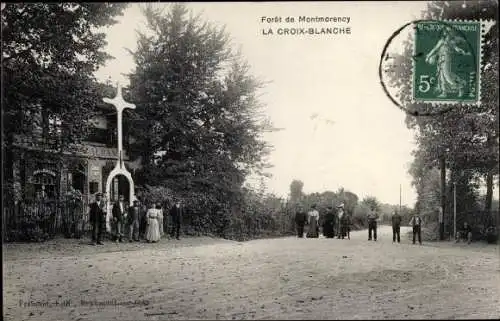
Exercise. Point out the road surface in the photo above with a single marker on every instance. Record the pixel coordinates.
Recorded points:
(284, 278)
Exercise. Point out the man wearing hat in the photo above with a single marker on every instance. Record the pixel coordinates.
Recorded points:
(98, 218)
(134, 216)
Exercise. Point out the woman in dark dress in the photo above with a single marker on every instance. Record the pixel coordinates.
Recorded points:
(328, 225)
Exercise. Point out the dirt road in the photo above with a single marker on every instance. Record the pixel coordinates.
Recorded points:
(285, 278)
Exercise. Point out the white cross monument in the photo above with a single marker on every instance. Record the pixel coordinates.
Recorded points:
(119, 169)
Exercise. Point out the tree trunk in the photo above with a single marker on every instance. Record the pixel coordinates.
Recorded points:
(442, 165)
(489, 193)
(489, 182)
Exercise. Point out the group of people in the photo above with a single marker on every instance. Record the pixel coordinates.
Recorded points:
(334, 223)
(141, 222)
(339, 223)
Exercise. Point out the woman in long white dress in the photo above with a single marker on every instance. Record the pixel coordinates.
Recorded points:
(153, 229)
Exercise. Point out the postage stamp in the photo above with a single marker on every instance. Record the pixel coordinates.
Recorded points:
(447, 62)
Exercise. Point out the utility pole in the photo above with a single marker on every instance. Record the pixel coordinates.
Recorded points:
(454, 209)
(442, 165)
(399, 199)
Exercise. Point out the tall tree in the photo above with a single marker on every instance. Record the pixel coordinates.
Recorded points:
(466, 138)
(49, 54)
(202, 121)
(296, 190)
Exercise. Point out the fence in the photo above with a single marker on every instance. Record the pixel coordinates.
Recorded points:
(44, 219)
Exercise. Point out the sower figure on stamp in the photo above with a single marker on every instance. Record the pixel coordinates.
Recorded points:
(119, 217)
(372, 223)
(442, 55)
(396, 227)
(300, 220)
(416, 223)
(98, 218)
(177, 213)
(134, 217)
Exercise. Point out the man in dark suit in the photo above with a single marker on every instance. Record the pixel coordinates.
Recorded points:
(98, 218)
(300, 220)
(119, 217)
(134, 217)
(396, 227)
(177, 213)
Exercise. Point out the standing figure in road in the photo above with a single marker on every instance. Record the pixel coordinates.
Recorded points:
(160, 219)
(313, 218)
(340, 214)
(329, 223)
(416, 222)
(396, 227)
(98, 218)
(153, 229)
(143, 220)
(177, 213)
(134, 217)
(119, 217)
(346, 225)
(465, 233)
(300, 221)
(372, 223)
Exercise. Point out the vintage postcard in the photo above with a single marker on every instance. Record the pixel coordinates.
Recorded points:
(250, 160)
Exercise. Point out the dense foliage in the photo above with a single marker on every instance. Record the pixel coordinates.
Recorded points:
(200, 119)
(466, 137)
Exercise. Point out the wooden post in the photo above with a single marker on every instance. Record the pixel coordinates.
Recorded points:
(442, 163)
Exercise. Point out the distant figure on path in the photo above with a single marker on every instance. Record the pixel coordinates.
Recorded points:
(313, 218)
(98, 218)
(119, 217)
(160, 219)
(177, 213)
(465, 234)
(153, 229)
(329, 223)
(300, 221)
(396, 227)
(134, 217)
(416, 223)
(372, 224)
(340, 215)
(346, 226)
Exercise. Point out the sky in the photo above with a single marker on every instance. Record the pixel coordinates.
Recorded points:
(339, 127)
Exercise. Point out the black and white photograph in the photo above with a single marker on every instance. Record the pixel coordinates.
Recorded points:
(287, 160)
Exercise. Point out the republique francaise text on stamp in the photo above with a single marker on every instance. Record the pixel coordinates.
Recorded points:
(447, 62)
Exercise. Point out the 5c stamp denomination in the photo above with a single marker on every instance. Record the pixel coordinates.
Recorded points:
(447, 60)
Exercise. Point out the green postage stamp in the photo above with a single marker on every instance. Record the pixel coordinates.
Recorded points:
(447, 62)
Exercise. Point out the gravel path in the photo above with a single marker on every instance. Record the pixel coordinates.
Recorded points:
(284, 278)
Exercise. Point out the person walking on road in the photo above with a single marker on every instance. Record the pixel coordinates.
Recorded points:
(329, 223)
(134, 217)
(313, 217)
(416, 223)
(153, 229)
(300, 221)
(98, 218)
(177, 213)
(396, 227)
(372, 223)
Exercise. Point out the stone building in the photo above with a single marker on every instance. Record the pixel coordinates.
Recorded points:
(83, 171)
